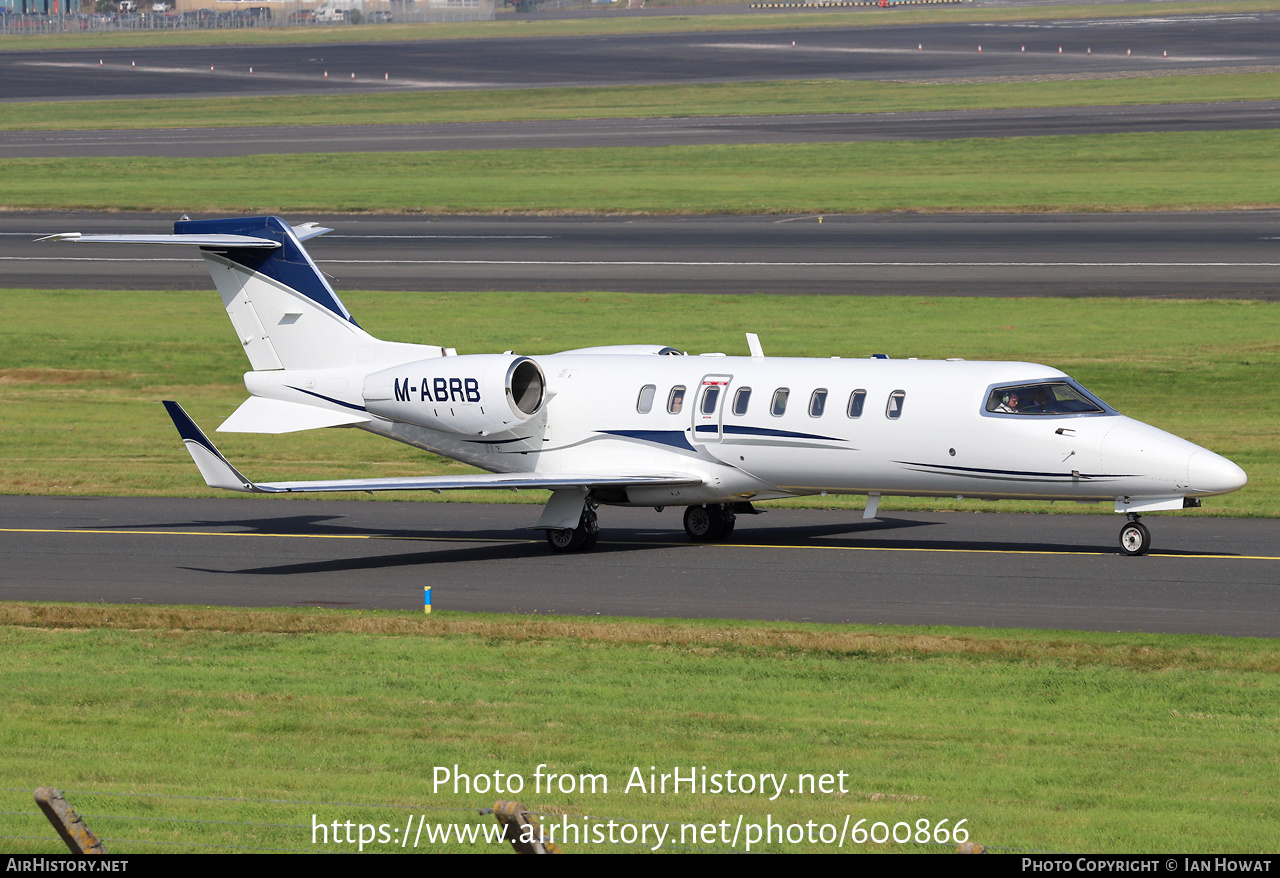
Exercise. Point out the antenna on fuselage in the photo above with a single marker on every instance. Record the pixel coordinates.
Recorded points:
(753, 345)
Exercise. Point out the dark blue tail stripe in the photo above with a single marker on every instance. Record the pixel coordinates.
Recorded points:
(290, 264)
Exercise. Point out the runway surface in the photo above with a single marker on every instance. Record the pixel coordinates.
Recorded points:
(694, 131)
(1212, 576)
(914, 52)
(1188, 255)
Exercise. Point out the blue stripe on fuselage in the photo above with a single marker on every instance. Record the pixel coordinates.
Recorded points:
(737, 430)
(674, 438)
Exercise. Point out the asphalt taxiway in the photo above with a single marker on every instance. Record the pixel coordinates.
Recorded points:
(1205, 575)
(1235, 254)
(946, 51)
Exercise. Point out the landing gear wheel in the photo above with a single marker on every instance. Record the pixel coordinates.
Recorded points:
(1135, 539)
(709, 524)
(565, 539)
(577, 539)
(702, 523)
(728, 518)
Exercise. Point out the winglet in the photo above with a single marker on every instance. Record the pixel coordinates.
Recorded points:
(217, 472)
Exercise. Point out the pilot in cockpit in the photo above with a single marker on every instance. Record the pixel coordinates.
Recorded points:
(1008, 404)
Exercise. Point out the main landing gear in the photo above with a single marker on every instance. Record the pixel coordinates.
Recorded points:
(709, 524)
(1135, 539)
(577, 539)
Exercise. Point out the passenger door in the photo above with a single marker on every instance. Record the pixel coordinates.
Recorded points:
(708, 408)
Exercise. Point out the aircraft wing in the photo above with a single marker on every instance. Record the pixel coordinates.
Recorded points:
(219, 473)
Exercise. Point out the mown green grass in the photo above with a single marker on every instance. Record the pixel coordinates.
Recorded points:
(1092, 742)
(1073, 173)
(81, 372)
(510, 27)
(715, 99)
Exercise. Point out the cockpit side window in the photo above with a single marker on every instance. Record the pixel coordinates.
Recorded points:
(1047, 398)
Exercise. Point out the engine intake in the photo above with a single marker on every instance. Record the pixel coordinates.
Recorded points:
(472, 395)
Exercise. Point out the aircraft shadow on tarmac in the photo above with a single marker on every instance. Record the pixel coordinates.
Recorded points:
(505, 545)
(490, 552)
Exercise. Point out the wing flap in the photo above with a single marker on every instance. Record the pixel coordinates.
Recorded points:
(482, 481)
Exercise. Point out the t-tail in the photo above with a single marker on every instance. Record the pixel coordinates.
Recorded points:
(306, 351)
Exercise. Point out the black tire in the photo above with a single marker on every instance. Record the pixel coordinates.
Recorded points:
(703, 523)
(728, 519)
(566, 539)
(1135, 539)
(579, 539)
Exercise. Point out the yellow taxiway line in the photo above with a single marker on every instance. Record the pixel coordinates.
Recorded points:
(205, 533)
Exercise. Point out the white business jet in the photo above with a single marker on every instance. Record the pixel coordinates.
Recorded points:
(644, 425)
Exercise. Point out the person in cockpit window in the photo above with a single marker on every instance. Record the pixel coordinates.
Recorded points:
(1008, 404)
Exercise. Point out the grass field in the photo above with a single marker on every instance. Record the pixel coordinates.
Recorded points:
(512, 27)
(1184, 171)
(1040, 741)
(718, 99)
(80, 395)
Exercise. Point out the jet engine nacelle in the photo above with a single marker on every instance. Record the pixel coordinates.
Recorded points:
(472, 395)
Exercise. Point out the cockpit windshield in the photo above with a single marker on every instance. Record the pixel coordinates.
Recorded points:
(1048, 398)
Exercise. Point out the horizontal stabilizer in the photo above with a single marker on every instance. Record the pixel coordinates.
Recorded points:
(219, 473)
(260, 415)
(237, 242)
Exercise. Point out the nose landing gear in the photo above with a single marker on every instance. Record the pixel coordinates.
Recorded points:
(1135, 539)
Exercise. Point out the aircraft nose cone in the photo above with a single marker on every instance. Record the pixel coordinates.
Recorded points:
(1210, 473)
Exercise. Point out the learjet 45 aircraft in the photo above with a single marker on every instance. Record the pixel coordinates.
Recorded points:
(645, 425)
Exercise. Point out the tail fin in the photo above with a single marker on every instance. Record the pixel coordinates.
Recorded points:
(284, 311)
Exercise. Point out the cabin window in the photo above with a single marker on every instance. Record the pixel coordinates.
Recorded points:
(856, 400)
(893, 410)
(818, 403)
(1050, 398)
(778, 406)
(645, 403)
(675, 399)
(741, 400)
(709, 399)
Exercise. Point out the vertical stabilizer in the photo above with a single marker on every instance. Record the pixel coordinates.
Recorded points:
(284, 311)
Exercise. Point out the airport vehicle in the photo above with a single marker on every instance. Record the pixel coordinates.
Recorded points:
(645, 425)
